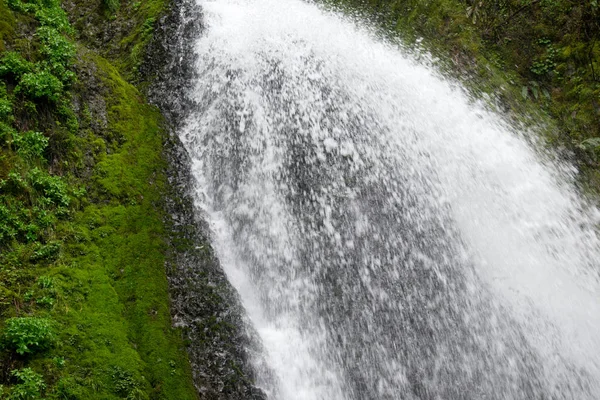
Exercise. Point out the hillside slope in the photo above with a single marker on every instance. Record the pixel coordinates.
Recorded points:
(84, 304)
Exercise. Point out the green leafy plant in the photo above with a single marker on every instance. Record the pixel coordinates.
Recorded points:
(47, 252)
(5, 105)
(18, 5)
(40, 85)
(30, 387)
(30, 144)
(9, 223)
(59, 52)
(53, 16)
(125, 384)
(5, 108)
(43, 218)
(53, 188)
(546, 64)
(28, 335)
(45, 301)
(45, 282)
(14, 65)
(6, 131)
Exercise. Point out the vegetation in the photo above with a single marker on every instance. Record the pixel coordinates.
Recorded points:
(84, 307)
(532, 54)
(83, 301)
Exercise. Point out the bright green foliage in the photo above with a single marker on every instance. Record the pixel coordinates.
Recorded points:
(48, 251)
(23, 7)
(45, 282)
(125, 384)
(13, 65)
(52, 16)
(47, 12)
(30, 387)
(30, 145)
(5, 109)
(81, 240)
(59, 52)
(45, 79)
(28, 335)
(40, 85)
(48, 196)
(6, 132)
(9, 223)
(52, 188)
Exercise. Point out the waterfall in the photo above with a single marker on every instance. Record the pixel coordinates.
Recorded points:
(389, 236)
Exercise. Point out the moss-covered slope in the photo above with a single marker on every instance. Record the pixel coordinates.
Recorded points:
(84, 309)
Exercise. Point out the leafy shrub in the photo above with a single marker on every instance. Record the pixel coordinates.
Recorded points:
(126, 385)
(12, 64)
(53, 187)
(40, 85)
(43, 218)
(30, 386)
(28, 335)
(47, 252)
(59, 52)
(5, 105)
(45, 301)
(31, 232)
(6, 131)
(30, 144)
(7, 224)
(18, 5)
(53, 16)
(5, 109)
(14, 183)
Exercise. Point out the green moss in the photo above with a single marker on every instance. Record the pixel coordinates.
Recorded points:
(138, 39)
(124, 253)
(82, 241)
(7, 22)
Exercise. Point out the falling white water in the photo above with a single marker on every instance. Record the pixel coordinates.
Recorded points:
(389, 238)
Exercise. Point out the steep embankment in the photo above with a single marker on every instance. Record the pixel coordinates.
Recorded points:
(94, 204)
(84, 297)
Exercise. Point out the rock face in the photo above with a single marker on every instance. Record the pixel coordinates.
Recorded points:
(219, 341)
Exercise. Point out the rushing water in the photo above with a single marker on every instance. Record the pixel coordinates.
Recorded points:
(389, 238)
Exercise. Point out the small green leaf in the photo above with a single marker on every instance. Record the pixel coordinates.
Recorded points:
(524, 92)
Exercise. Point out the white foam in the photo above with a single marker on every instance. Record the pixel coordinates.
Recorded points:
(529, 235)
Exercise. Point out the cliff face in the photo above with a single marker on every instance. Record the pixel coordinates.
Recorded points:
(220, 341)
(93, 206)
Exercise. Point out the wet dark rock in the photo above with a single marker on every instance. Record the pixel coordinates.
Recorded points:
(203, 303)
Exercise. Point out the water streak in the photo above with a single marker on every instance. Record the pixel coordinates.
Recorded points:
(389, 238)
